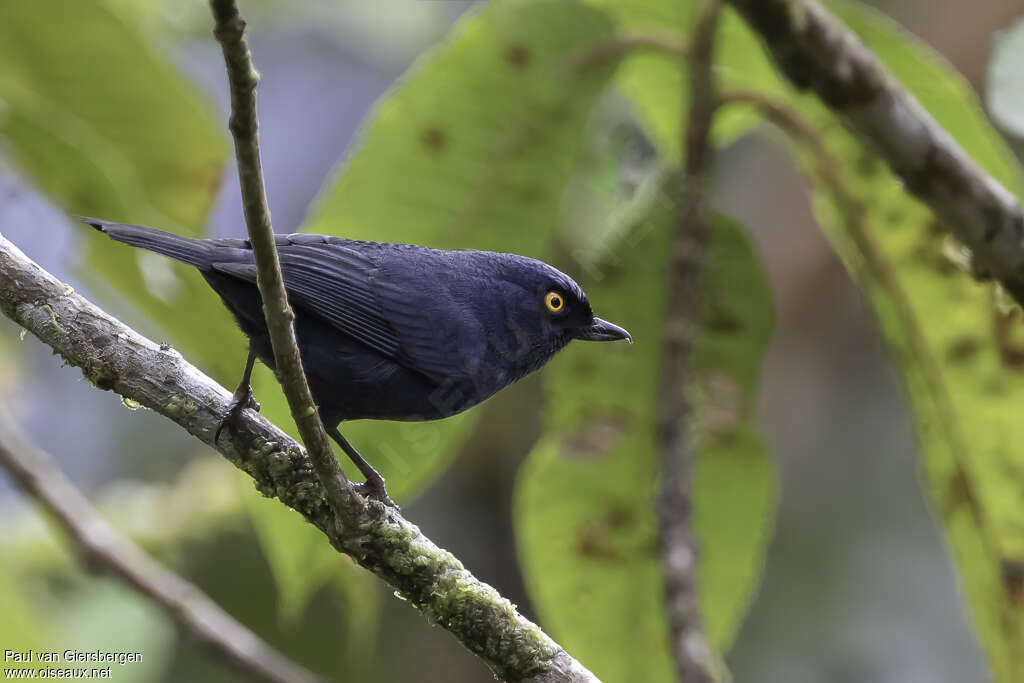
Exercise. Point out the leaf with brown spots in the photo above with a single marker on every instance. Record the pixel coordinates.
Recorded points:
(595, 439)
(434, 139)
(517, 56)
(597, 537)
(585, 497)
(961, 352)
(959, 349)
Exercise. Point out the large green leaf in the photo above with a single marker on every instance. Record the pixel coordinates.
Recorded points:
(956, 344)
(105, 127)
(585, 497)
(301, 562)
(947, 333)
(956, 349)
(471, 149)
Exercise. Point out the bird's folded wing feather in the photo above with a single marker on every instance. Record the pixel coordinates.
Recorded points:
(342, 285)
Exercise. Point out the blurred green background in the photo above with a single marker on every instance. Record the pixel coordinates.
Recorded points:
(856, 586)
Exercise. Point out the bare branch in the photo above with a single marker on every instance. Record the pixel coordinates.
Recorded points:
(115, 357)
(817, 52)
(102, 549)
(695, 661)
(622, 46)
(242, 77)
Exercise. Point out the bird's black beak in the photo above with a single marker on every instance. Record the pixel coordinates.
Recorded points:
(602, 330)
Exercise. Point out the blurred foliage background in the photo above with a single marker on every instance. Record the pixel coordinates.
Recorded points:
(453, 124)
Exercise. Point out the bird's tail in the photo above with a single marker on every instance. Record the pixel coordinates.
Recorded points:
(196, 252)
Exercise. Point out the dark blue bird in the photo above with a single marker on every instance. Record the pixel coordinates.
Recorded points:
(392, 331)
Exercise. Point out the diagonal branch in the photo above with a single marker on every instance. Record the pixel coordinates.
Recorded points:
(818, 53)
(242, 77)
(876, 268)
(115, 357)
(695, 662)
(102, 549)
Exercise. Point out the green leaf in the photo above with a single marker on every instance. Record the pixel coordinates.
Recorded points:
(108, 616)
(299, 556)
(98, 120)
(21, 628)
(358, 595)
(1004, 86)
(957, 345)
(585, 496)
(302, 562)
(956, 350)
(472, 149)
(656, 83)
(105, 127)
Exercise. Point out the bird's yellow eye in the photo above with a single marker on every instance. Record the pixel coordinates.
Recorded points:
(554, 302)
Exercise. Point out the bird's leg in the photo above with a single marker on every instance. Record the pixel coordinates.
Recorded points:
(373, 487)
(241, 399)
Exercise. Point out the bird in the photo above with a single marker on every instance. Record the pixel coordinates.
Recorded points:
(390, 331)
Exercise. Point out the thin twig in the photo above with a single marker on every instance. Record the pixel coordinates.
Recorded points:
(101, 548)
(695, 661)
(242, 77)
(817, 52)
(115, 357)
(622, 46)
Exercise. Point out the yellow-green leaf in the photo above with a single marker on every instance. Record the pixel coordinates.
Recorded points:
(956, 343)
(584, 506)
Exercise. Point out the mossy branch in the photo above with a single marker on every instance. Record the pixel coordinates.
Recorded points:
(115, 357)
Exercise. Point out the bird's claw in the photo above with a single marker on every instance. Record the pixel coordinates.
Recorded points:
(240, 400)
(374, 490)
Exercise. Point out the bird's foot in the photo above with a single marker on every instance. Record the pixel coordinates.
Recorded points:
(240, 400)
(373, 489)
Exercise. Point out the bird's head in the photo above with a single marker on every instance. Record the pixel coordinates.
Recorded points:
(558, 306)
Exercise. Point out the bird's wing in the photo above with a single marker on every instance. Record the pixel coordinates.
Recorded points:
(343, 285)
(437, 332)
